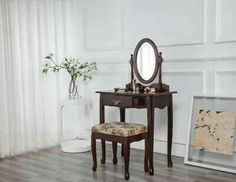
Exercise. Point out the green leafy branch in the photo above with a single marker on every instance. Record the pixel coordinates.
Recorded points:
(72, 65)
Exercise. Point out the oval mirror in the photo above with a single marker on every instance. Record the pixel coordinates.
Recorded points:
(146, 61)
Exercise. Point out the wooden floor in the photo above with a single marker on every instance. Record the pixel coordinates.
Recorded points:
(51, 165)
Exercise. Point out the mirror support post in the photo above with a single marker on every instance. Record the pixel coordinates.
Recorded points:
(160, 71)
(131, 61)
(129, 86)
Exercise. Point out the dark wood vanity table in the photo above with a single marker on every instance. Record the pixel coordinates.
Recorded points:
(140, 101)
(144, 94)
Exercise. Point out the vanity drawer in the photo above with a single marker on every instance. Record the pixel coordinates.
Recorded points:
(119, 101)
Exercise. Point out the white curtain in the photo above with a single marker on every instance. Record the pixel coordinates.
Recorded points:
(29, 30)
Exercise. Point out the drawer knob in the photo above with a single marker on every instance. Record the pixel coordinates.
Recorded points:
(116, 102)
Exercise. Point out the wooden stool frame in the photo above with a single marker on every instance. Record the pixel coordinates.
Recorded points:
(125, 141)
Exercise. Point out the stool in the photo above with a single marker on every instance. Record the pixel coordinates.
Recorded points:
(119, 132)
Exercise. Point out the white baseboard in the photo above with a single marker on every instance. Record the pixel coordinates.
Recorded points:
(178, 149)
(161, 147)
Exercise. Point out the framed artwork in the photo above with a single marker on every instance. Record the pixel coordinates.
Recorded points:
(211, 137)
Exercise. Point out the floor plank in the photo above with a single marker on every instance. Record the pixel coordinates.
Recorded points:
(52, 165)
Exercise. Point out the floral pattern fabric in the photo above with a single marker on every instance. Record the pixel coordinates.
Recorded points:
(120, 129)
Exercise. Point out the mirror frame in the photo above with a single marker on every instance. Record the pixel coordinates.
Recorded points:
(157, 58)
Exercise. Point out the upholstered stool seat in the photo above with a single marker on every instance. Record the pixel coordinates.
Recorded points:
(119, 132)
(120, 129)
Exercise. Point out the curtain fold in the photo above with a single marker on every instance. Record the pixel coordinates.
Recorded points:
(29, 30)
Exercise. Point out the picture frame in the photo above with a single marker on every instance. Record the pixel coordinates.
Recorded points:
(203, 158)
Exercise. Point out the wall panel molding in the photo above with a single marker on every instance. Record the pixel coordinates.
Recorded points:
(224, 82)
(184, 60)
(183, 72)
(225, 72)
(225, 24)
(202, 59)
(140, 26)
(102, 29)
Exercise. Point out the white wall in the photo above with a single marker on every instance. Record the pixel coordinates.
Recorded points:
(198, 41)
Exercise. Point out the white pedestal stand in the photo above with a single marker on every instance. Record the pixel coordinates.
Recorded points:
(75, 145)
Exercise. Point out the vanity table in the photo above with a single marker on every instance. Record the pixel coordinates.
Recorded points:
(146, 68)
(140, 101)
(145, 91)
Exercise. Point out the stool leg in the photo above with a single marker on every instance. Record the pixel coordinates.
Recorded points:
(122, 150)
(146, 156)
(126, 159)
(103, 160)
(93, 145)
(114, 148)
